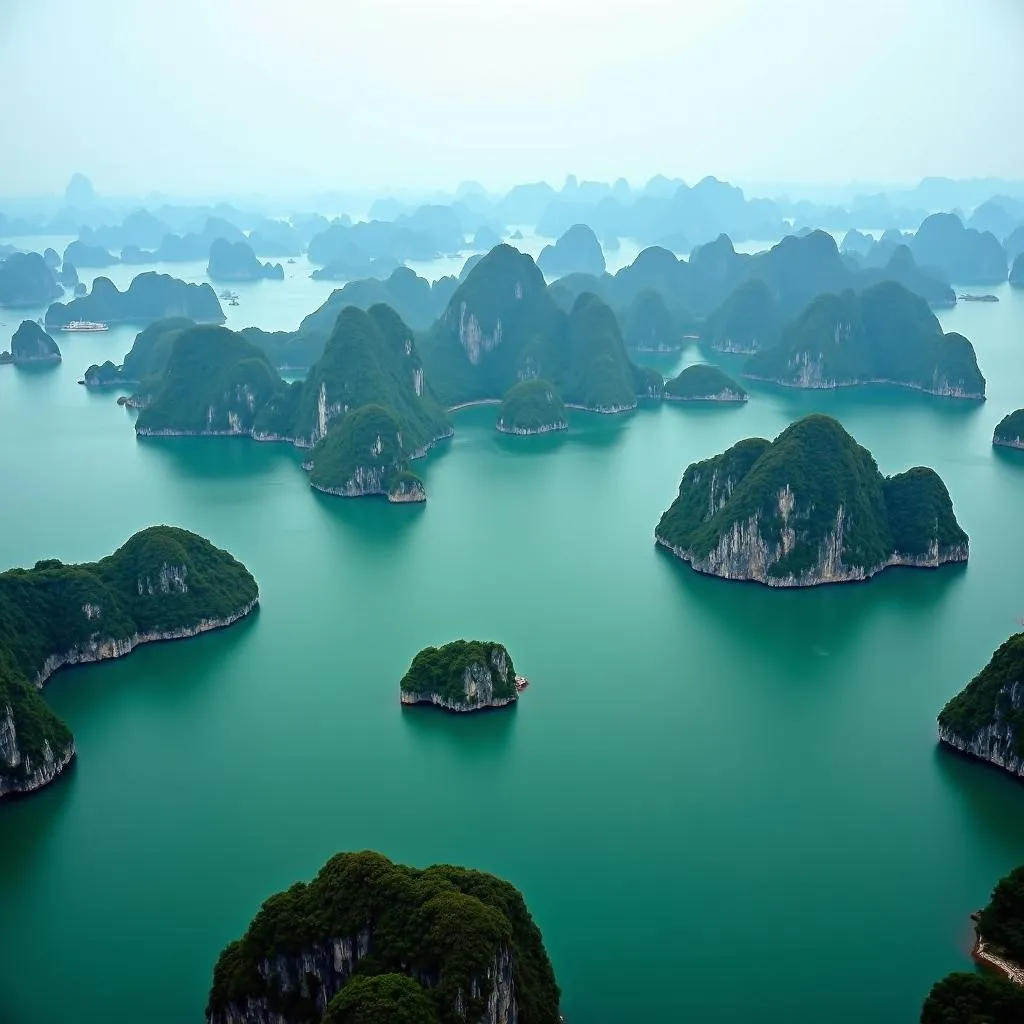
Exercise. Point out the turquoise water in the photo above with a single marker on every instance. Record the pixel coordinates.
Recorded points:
(722, 803)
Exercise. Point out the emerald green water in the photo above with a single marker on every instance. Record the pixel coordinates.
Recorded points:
(722, 803)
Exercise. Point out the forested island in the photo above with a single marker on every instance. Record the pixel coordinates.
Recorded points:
(235, 261)
(26, 280)
(164, 583)
(368, 941)
(30, 344)
(883, 335)
(986, 719)
(703, 383)
(808, 508)
(576, 252)
(649, 325)
(146, 360)
(464, 675)
(1009, 432)
(749, 320)
(364, 409)
(997, 996)
(531, 407)
(502, 326)
(149, 297)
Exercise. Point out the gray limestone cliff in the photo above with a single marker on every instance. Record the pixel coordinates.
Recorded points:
(465, 675)
(31, 344)
(367, 939)
(164, 583)
(807, 509)
(986, 719)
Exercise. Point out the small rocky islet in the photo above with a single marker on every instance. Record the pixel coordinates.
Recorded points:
(808, 508)
(30, 345)
(462, 676)
(1009, 432)
(531, 407)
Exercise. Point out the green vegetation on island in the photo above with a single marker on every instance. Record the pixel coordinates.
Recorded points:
(149, 297)
(968, 998)
(31, 344)
(964, 255)
(26, 280)
(810, 507)
(1009, 431)
(986, 719)
(576, 252)
(502, 325)
(364, 454)
(465, 939)
(649, 326)
(364, 409)
(80, 254)
(884, 334)
(162, 583)
(464, 675)
(748, 321)
(992, 998)
(703, 382)
(531, 407)
(236, 261)
(214, 382)
(147, 358)
(371, 358)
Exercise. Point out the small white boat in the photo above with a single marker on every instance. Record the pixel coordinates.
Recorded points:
(85, 325)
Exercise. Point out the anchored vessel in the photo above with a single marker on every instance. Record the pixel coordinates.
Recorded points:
(85, 325)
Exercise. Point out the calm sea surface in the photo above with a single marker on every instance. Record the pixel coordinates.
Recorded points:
(722, 803)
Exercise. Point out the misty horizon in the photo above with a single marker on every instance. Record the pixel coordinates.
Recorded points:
(764, 98)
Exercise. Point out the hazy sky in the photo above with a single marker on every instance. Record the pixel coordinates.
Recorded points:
(207, 96)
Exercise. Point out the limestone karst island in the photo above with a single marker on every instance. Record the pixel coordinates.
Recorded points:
(164, 583)
(808, 508)
(464, 675)
(579, 448)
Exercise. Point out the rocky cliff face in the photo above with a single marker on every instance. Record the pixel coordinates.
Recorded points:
(318, 974)
(31, 344)
(747, 551)
(997, 741)
(473, 338)
(31, 775)
(480, 680)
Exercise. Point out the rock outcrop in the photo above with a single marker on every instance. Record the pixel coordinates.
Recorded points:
(531, 407)
(1009, 432)
(26, 280)
(464, 675)
(703, 383)
(31, 344)
(807, 509)
(236, 261)
(367, 936)
(883, 335)
(149, 297)
(577, 252)
(986, 719)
